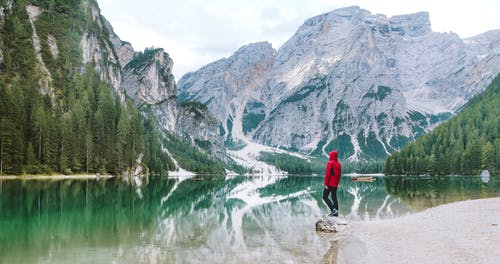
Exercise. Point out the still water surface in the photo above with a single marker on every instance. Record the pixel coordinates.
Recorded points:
(209, 219)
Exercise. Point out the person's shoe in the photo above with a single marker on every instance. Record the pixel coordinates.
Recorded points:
(334, 212)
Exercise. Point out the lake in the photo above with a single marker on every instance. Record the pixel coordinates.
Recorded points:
(207, 219)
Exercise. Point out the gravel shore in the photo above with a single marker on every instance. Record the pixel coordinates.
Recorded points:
(462, 232)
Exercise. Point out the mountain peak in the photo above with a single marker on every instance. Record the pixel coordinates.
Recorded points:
(254, 48)
(351, 80)
(349, 10)
(344, 14)
(410, 24)
(413, 24)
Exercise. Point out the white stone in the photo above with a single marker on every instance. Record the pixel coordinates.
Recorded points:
(33, 12)
(51, 40)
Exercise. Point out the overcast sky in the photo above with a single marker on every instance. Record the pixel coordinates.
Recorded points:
(197, 32)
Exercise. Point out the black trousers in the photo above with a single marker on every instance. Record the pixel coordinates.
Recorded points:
(333, 191)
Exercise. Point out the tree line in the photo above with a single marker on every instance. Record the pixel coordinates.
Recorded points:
(92, 132)
(79, 126)
(316, 164)
(464, 145)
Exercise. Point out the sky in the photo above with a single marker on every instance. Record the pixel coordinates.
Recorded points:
(197, 32)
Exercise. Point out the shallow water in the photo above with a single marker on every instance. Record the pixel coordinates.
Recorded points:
(209, 219)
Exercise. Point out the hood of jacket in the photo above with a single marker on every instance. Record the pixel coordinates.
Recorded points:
(334, 155)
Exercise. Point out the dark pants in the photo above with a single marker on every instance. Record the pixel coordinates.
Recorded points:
(333, 191)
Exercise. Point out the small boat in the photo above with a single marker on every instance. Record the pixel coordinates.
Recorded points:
(363, 179)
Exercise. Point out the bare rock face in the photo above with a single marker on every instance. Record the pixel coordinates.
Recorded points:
(198, 124)
(1, 55)
(146, 78)
(124, 50)
(361, 83)
(2, 16)
(417, 24)
(46, 81)
(103, 56)
(229, 85)
(54, 50)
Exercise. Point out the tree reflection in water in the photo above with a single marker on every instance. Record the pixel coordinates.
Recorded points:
(421, 192)
(246, 219)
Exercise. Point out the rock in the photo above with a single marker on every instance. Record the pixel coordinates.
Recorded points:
(324, 226)
(331, 224)
(363, 82)
(229, 84)
(1, 55)
(485, 176)
(123, 49)
(54, 50)
(146, 78)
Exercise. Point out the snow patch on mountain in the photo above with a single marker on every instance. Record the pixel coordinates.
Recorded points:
(249, 154)
(347, 79)
(178, 172)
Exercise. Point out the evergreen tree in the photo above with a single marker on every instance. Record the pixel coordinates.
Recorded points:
(488, 157)
(122, 139)
(30, 155)
(431, 164)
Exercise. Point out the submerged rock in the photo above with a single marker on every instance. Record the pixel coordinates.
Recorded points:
(331, 224)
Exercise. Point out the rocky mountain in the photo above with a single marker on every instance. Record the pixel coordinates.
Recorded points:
(233, 87)
(147, 78)
(361, 83)
(61, 68)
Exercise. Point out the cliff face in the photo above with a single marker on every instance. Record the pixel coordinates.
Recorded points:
(361, 83)
(146, 77)
(89, 40)
(232, 87)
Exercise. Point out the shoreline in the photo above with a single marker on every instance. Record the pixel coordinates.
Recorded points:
(56, 177)
(460, 232)
(363, 174)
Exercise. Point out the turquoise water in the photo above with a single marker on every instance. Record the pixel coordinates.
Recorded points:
(209, 219)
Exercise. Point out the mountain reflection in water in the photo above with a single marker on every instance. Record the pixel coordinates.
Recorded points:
(213, 219)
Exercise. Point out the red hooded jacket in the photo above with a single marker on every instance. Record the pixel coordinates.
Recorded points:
(333, 180)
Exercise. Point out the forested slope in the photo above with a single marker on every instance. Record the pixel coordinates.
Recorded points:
(56, 115)
(466, 144)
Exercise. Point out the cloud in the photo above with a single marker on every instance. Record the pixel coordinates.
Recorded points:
(196, 32)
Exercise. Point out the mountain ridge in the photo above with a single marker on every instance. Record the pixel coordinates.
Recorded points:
(349, 79)
(65, 56)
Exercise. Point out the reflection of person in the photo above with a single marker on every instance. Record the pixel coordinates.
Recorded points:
(332, 178)
(332, 254)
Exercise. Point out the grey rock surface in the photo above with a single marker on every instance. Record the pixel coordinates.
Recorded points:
(146, 77)
(361, 83)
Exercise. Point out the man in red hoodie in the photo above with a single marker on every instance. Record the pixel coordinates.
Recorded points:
(332, 178)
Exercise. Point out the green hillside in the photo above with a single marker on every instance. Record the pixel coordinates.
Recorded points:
(463, 145)
(78, 126)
